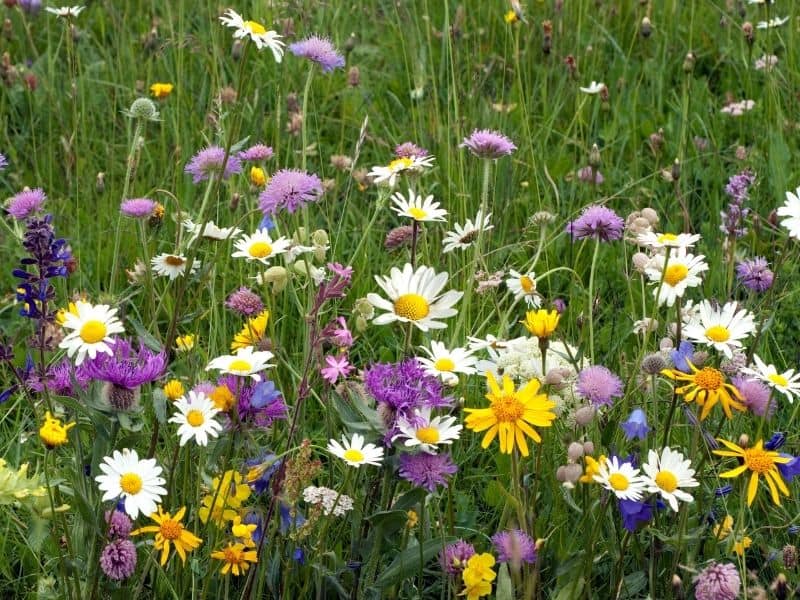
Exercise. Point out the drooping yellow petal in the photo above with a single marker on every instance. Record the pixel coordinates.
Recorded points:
(751, 488)
(734, 472)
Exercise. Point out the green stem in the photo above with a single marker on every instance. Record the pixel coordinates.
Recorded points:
(589, 314)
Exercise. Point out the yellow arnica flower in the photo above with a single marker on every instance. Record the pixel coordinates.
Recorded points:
(252, 333)
(706, 386)
(591, 468)
(161, 90)
(185, 343)
(479, 568)
(510, 17)
(237, 558)
(224, 498)
(170, 530)
(257, 176)
(759, 462)
(511, 414)
(243, 531)
(473, 592)
(173, 389)
(541, 323)
(53, 432)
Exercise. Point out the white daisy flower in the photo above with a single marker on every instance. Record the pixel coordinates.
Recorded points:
(247, 362)
(625, 481)
(255, 31)
(172, 265)
(425, 433)
(791, 209)
(209, 231)
(787, 383)
(389, 173)
(657, 241)
(594, 88)
(91, 329)
(136, 481)
(776, 22)
(415, 297)
(674, 274)
(462, 237)
(722, 328)
(667, 474)
(417, 208)
(524, 286)
(355, 452)
(196, 418)
(66, 12)
(446, 363)
(260, 246)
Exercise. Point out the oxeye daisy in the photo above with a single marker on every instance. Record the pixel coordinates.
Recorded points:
(137, 482)
(524, 286)
(427, 433)
(668, 473)
(66, 12)
(415, 297)
(759, 462)
(510, 414)
(787, 383)
(254, 30)
(196, 418)
(209, 231)
(411, 164)
(172, 265)
(622, 479)
(723, 328)
(444, 363)
(91, 328)
(462, 237)
(674, 273)
(706, 387)
(659, 241)
(170, 530)
(417, 208)
(260, 246)
(791, 210)
(247, 362)
(355, 452)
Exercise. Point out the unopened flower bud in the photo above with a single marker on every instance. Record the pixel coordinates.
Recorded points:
(354, 77)
(361, 324)
(277, 276)
(677, 588)
(676, 170)
(653, 364)
(790, 556)
(572, 472)
(320, 237)
(584, 415)
(646, 28)
(143, 108)
(364, 308)
(640, 261)
(650, 214)
(665, 345)
(594, 156)
(744, 440)
(588, 447)
(561, 473)
(779, 587)
(100, 182)
(688, 63)
(236, 49)
(749, 32)
(575, 451)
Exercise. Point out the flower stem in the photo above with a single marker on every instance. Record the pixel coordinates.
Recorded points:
(590, 314)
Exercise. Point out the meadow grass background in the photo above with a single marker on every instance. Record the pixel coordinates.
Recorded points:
(429, 72)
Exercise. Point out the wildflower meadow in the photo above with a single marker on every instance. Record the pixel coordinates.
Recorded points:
(411, 299)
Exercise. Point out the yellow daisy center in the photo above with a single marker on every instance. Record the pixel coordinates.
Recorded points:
(778, 379)
(240, 365)
(667, 481)
(718, 333)
(195, 418)
(758, 460)
(255, 27)
(428, 435)
(446, 364)
(130, 483)
(619, 482)
(260, 249)
(507, 408)
(93, 331)
(675, 274)
(527, 284)
(174, 261)
(170, 529)
(399, 164)
(417, 213)
(709, 378)
(412, 307)
(354, 455)
(667, 237)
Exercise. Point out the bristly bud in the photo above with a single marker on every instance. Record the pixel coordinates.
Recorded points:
(547, 41)
(744, 440)
(100, 182)
(120, 398)
(542, 218)
(676, 170)
(790, 556)
(688, 62)
(594, 156)
(653, 364)
(227, 95)
(353, 77)
(340, 162)
(237, 49)
(575, 451)
(588, 447)
(646, 29)
(399, 237)
(351, 42)
(572, 65)
(584, 415)
(235, 199)
(749, 32)
(292, 103)
(656, 141)
(677, 588)
(640, 261)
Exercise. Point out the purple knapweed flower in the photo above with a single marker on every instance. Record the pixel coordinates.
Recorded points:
(485, 143)
(454, 557)
(756, 396)
(118, 559)
(427, 470)
(209, 161)
(634, 513)
(319, 50)
(636, 427)
(755, 274)
(256, 153)
(245, 302)
(598, 222)
(26, 203)
(514, 546)
(289, 189)
(137, 208)
(125, 371)
(718, 581)
(409, 149)
(599, 385)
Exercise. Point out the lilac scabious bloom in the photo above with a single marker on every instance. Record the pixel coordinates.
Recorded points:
(756, 396)
(289, 189)
(718, 581)
(25, 203)
(256, 153)
(427, 470)
(209, 161)
(409, 149)
(245, 302)
(454, 557)
(755, 274)
(734, 215)
(636, 426)
(599, 385)
(319, 50)
(514, 546)
(679, 357)
(137, 208)
(634, 513)
(485, 143)
(118, 559)
(119, 524)
(598, 222)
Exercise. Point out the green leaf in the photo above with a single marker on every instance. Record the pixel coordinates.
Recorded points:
(407, 562)
(38, 530)
(410, 499)
(145, 336)
(505, 588)
(160, 405)
(390, 521)
(573, 589)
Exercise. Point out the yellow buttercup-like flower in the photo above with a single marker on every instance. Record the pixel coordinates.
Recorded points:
(53, 432)
(237, 558)
(541, 323)
(257, 176)
(706, 387)
(591, 468)
(759, 462)
(170, 530)
(161, 90)
(185, 343)
(173, 389)
(252, 333)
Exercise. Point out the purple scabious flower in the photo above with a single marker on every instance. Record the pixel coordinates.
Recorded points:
(25, 203)
(127, 368)
(718, 581)
(256, 153)
(409, 149)
(137, 208)
(427, 470)
(755, 274)
(599, 385)
(634, 513)
(245, 302)
(119, 524)
(598, 222)
(636, 425)
(679, 357)
(454, 557)
(756, 396)
(319, 50)
(485, 143)
(289, 189)
(262, 405)
(514, 546)
(209, 161)
(118, 559)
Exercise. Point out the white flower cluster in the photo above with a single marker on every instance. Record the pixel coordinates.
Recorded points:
(330, 500)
